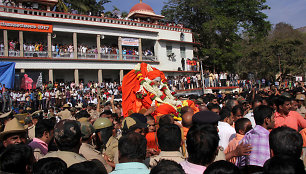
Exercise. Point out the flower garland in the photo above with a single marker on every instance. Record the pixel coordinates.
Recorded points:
(160, 95)
(163, 95)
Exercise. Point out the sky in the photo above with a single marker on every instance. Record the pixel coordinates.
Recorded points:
(289, 11)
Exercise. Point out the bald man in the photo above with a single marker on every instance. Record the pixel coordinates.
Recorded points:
(203, 108)
(186, 122)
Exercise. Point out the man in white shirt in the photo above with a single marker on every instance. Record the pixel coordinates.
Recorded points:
(250, 114)
(226, 131)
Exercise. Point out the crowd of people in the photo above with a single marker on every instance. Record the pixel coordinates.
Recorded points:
(83, 50)
(255, 131)
(55, 95)
(185, 82)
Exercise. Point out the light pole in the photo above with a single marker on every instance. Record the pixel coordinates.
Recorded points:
(202, 78)
(279, 67)
(202, 74)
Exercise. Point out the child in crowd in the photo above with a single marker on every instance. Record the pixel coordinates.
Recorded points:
(242, 126)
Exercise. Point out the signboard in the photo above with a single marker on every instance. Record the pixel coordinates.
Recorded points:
(24, 26)
(130, 42)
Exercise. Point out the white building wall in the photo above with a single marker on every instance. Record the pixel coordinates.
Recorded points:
(42, 64)
(162, 38)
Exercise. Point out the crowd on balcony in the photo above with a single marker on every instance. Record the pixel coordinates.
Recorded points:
(64, 50)
(29, 47)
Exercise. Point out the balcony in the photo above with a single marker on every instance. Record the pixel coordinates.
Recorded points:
(87, 56)
(52, 14)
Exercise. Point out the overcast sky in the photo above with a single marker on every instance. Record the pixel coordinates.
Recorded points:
(289, 11)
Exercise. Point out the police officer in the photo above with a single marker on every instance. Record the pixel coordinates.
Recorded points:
(106, 141)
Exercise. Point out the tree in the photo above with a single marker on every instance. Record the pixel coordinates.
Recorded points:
(92, 7)
(283, 50)
(218, 25)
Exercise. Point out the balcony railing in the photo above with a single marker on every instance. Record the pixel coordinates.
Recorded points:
(67, 55)
(90, 18)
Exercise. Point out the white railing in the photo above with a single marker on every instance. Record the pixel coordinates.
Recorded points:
(32, 12)
(44, 54)
(35, 54)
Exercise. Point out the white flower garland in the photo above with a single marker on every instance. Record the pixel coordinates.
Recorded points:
(170, 99)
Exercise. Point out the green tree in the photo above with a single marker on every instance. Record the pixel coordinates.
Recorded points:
(92, 7)
(283, 50)
(218, 25)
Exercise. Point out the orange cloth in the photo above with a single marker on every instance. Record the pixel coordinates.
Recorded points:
(163, 109)
(293, 120)
(232, 145)
(193, 106)
(153, 74)
(130, 85)
(185, 131)
(303, 133)
(152, 141)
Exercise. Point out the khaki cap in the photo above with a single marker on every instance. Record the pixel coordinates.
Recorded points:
(36, 112)
(66, 106)
(83, 119)
(12, 126)
(79, 106)
(5, 114)
(300, 97)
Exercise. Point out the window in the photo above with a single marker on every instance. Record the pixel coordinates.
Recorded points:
(183, 52)
(169, 50)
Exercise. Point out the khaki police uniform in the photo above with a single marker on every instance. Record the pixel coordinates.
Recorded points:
(168, 155)
(70, 158)
(31, 132)
(90, 153)
(65, 114)
(112, 150)
(94, 114)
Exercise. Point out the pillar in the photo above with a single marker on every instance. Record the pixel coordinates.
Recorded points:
(75, 46)
(140, 50)
(22, 70)
(120, 47)
(49, 40)
(100, 77)
(21, 43)
(156, 46)
(5, 40)
(99, 46)
(76, 77)
(121, 76)
(51, 75)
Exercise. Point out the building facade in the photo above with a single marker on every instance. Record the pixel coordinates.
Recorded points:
(74, 47)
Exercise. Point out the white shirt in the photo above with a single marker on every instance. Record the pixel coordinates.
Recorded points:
(250, 116)
(226, 133)
(47, 95)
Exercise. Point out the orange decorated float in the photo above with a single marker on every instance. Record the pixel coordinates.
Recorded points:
(146, 86)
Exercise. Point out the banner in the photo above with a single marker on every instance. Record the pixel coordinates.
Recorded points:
(130, 42)
(7, 74)
(24, 26)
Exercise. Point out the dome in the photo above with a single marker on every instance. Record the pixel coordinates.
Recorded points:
(141, 7)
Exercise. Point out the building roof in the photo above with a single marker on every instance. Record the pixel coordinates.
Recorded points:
(143, 10)
(142, 7)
